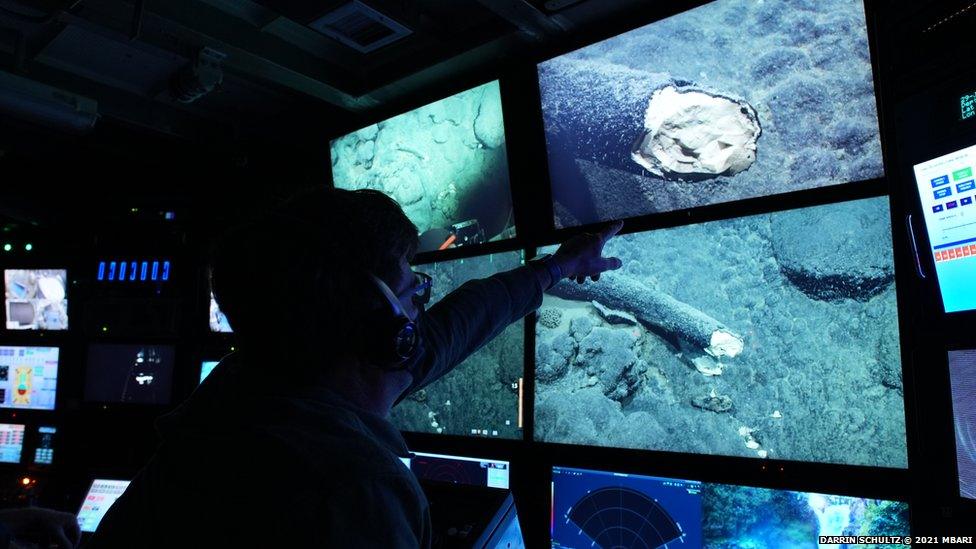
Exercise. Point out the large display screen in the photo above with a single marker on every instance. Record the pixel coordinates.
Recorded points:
(36, 299)
(946, 188)
(481, 396)
(11, 442)
(28, 377)
(491, 473)
(444, 163)
(962, 373)
(769, 336)
(732, 100)
(138, 374)
(607, 509)
(102, 494)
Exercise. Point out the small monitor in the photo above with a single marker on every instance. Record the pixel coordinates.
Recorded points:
(28, 377)
(218, 320)
(471, 471)
(732, 100)
(482, 396)
(100, 497)
(962, 375)
(206, 367)
(36, 299)
(610, 509)
(445, 163)
(947, 189)
(44, 451)
(11, 442)
(136, 374)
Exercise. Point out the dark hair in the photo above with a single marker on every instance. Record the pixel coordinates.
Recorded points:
(299, 273)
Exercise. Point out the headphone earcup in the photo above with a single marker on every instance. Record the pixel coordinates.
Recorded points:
(389, 340)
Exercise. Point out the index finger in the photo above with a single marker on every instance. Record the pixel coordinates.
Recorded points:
(611, 230)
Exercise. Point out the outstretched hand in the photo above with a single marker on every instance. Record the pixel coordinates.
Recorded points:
(582, 256)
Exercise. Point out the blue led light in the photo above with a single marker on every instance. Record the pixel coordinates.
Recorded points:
(130, 270)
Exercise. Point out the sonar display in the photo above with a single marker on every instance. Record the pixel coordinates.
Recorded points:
(604, 509)
(768, 336)
(610, 510)
(623, 517)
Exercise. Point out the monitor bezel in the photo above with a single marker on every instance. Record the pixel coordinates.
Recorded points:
(646, 17)
(951, 441)
(31, 413)
(8, 420)
(460, 86)
(172, 394)
(528, 327)
(652, 223)
(951, 321)
(38, 332)
(845, 492)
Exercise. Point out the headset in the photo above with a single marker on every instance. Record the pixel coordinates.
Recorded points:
(398, 339)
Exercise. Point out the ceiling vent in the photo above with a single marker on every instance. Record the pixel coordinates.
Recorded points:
(360, 27)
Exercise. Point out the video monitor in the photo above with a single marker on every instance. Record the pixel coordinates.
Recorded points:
(102, 494)
(28, 377)
(206, 367)
(962, 375)
(445, 163)
(44, 450)
(218, 321)
(36, 299)
(11, 442)
(735, 99)
(768, 336)
(482, 395)
(946, 188)
(136, 374)
(609, 509)
(490, 473)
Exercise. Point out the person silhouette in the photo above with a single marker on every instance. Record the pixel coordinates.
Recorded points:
(287, 442)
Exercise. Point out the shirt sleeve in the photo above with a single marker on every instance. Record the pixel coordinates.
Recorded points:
(472, 315)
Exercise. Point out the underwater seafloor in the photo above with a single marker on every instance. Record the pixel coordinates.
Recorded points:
(962, 372)
(811, 294)
(804, 65)
(481, 393)
(738, 516)
(444, 163)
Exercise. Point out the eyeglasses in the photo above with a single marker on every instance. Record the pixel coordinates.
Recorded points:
(420, 291)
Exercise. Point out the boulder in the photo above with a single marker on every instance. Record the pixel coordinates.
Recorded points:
(821, 251)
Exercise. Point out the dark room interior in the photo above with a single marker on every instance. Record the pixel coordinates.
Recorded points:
(487, 273)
